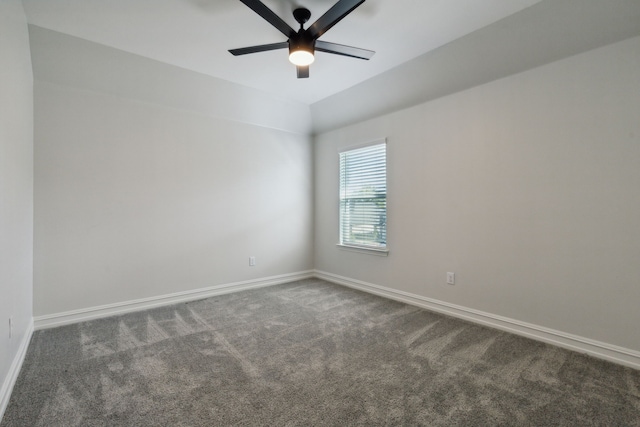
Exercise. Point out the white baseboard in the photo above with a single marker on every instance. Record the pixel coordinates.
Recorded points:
(576, 343)
(14, 370)
(75, 316)
(601, 350)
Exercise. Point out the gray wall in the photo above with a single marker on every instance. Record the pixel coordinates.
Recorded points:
(153, 180)
(528, 188)
(16, 186)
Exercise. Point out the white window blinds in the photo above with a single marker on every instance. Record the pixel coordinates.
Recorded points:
(363, 196)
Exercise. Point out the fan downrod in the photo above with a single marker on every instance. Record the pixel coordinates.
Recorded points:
(301, 15)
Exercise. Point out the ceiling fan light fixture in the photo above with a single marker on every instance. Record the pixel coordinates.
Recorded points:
(301, 50)
(301, 57)
(302, 43)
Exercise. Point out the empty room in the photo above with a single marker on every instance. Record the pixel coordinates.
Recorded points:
(319, 212)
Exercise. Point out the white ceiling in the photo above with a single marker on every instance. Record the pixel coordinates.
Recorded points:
(196, 34)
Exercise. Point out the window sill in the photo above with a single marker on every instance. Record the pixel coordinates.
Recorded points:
(364, 250)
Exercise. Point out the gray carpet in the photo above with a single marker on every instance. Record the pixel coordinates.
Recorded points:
(309, 353)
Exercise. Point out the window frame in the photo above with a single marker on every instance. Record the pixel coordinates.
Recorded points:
(354, 247)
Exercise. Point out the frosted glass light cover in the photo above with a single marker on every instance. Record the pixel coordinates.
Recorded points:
(301, 57)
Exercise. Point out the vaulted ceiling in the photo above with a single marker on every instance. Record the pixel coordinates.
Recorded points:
(196, 35)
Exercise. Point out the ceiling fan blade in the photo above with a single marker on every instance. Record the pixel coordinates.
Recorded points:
(269, 16)
(303, 72)
(260, 48)
(332, 17)
(340, 49)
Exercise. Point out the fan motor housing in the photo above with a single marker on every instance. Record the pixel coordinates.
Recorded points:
(302, 41)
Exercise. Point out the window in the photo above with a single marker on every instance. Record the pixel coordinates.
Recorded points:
(363, 197)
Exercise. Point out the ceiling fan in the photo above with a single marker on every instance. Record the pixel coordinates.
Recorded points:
(303, 43)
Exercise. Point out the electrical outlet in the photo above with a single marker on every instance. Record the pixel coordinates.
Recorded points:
(252, 261)
(451, 278)
(10, 326)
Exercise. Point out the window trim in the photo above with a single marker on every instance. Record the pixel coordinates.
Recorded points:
(364, 249)
(351, 247)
